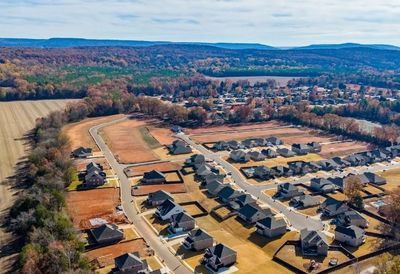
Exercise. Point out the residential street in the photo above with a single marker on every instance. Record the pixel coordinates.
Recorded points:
(172, 262)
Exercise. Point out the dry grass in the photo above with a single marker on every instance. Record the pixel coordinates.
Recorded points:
(163, 154)
(192, 209)
(139, 170)
(162, 135)
(280, 161)
(344, 148)
(392, 177)
(128, 142)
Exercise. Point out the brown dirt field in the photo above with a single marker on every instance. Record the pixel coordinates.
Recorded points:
(192, 209)
(172, 188)
(95, 203)
(162, 135)
(78, 133)
(222, 128)
(107, 254)
(16, 120)
(139, 170)
(342, 149)
(127, 143)
(289, 135)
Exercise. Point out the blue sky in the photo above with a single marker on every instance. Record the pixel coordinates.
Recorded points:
(273, 22)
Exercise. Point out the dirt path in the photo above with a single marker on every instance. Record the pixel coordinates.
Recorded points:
(16, 119)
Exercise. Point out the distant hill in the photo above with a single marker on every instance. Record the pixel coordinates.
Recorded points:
(349, 45)
(80, 42)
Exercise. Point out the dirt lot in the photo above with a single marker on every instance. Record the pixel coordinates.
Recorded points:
(172, 188)
(162, 135)
(107, 254)
(343, 148)
(139, 170)
(96, 203)
(233, 128)
(78, 133)
(17, 119)
(130, 141)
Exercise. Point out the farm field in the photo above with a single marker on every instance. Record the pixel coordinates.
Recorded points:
(17, 119)
(78, 133)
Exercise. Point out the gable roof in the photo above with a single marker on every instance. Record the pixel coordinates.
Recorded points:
(181, 218)
(198, 235)
(160, 195)
(221, 251)
(272, 222)
(154, 174)
(351, 231)
(227, 192)
(128, 261)
(313, 237)
(166, 207)
(106, 232)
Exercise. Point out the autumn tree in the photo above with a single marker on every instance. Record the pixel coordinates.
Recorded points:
(352, 190)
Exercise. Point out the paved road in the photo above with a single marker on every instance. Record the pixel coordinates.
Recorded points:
(297, 220)
(172, 262)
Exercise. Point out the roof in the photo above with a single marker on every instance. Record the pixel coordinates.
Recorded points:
(353, 215)
(221, 251)
(106, 232)
(272, 222)
(128, 261)
(227, 192)
(154, 174)
(166, 207)
(313, 237)
(288, 187)
(249, 210)
(214, 186)
(351, 231)
(92, 165)
(181, 218)
(160, 195)
(332, 204)
(198, 235)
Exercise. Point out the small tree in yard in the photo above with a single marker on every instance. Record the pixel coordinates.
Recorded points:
(352, 190)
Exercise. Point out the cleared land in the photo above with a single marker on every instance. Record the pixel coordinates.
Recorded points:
(96, 203)
(139, 170)
(16, 120)
(343, 148)
(131, 142)
(392, 177)
(78, 133)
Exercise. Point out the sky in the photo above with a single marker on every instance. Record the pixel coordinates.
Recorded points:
(271, 22)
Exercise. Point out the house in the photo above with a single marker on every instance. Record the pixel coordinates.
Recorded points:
(299, 167)
(279, 171)
(214, 187)
(106, 234)
(257, 156)
(197, 240)
(328, 165)
(181, 222)
(234, 145)
(158, 197)
(271, 226)
(356, 160)
(260, 142)
(239, 156)
(212, 177)
(288, 190)
(179, 147)
(196, 159)
(269, 153)
(251, 213)
(305, 201)
(352, 217)
(153, 177)
(130, 263)
(273, 141)
(95, 178)
(221, 145)
(248, 143)
(82, 152)
(92, 166)
(372, 178)
(322, 185)
(339, 182)
(284, 152)
(313, 243)
(315, 147)
(262, 173)
(301, 149)
(167, 209)
(331, 207)
(219, 256)
(350, 235)
(341, 162)
(227, 194)
(241, 201)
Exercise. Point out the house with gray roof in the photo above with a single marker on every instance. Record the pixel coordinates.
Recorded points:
(227, 194)
(269, 153)
(352, 217)
(372, 178)
(158, 197)
(82, 152)
(257, 156)
(153, 177)
(196, 159)
(273, 141)
(288, 190)
(106, 234)
(94, 178)
(179, 147)
(130, 263)
(219, 257)
(239, 156)
(214, 187)
(315, 147)
(251, 213)
(284, 152)
(322, 185)
(221, 145)
(241, 201)
(350, 235)
(305, 201)
(301, 149)
(181, 222)
(331, 207)
(313, 243)
(262, 173)
(167, 209)
(197, 240)
(271, 226)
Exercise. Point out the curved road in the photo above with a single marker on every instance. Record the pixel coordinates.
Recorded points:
(172, 262)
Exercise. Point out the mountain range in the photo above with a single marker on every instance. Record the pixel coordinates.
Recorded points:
(81, 42)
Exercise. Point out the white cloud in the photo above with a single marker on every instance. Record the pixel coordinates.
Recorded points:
(281, 23)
